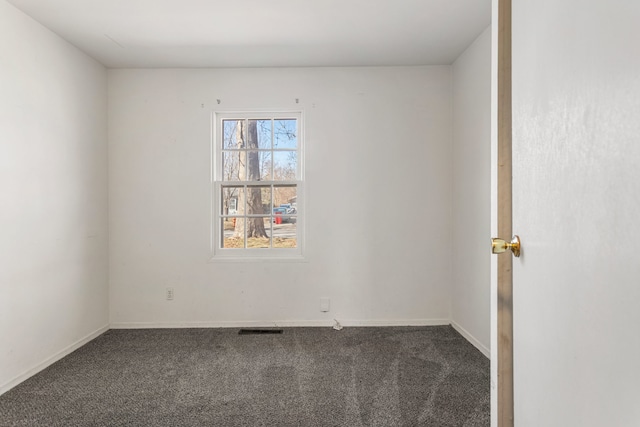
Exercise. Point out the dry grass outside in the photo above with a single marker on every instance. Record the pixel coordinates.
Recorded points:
(259, 242)
(231, 225)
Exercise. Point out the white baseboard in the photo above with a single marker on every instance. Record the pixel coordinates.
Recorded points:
(395, 322)
(477, 344)
(215, 324)
(51, 360)
(280, 323)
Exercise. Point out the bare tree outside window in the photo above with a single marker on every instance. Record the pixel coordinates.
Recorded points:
(247, 140)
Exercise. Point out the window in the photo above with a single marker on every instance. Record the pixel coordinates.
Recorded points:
(258, 186)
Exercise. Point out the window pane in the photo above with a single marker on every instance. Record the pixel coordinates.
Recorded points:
(266, 199)
(265, 165)
(253, 164)
(285, 165)
(285, 134)
(230, 130)
(285, 196)
(258, 232)
(258, 200)
(285, 232)
(229, 198)
(263, 128)
(233, 233)
(231, 164)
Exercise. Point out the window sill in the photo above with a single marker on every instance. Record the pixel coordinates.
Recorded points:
(270, 259)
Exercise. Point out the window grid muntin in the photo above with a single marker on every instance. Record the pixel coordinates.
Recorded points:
(296, 183)
(272, 149)
(245, 216)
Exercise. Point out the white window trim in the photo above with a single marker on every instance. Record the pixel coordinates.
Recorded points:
(255, 254)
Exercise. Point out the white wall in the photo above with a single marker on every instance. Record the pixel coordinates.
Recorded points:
(471, 278)
(53, 197)
(378, 169)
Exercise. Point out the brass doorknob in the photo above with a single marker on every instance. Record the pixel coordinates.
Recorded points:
(499, 245)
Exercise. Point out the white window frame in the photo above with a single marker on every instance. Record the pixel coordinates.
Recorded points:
(239, 254)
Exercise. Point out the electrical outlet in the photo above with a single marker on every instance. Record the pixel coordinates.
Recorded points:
(325, 304)
(169, 294)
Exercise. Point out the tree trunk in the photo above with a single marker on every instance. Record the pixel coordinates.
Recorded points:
(247, 137)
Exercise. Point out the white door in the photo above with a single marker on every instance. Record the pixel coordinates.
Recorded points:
(576, 207)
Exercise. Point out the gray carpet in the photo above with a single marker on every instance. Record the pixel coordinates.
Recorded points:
(357, 377)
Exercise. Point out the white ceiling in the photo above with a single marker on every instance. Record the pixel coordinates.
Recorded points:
(264, 33)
